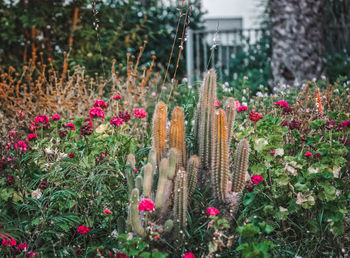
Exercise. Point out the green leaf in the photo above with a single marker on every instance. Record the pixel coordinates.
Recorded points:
(249, 199)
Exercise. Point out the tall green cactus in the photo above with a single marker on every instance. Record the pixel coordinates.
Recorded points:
(163, 169)
(206, 130)
(220, 162)
(192, 170)
(180, 199)
(134, 213)
(240, 167)
(230, 111)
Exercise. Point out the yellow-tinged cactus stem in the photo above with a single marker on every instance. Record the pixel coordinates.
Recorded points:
(230, 111)
(192, 170)
(163, 171)
(134, 213)
(220, 171)
(159, 132)
(147, 180)
(177, 134)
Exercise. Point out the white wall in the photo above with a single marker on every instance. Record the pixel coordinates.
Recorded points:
(248, 9)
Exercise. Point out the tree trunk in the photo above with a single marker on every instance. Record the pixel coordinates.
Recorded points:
(297, 31)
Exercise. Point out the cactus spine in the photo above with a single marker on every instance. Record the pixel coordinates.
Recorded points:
(206, 130)
(220, 162)
(192, 170)
(159, 130)
(177, 134)
(230, 111)
(180, 200)
(240, 166)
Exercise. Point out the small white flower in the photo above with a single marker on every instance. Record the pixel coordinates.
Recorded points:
(245, 77)
(36, 194)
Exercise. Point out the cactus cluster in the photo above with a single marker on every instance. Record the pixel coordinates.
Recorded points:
(170, 176)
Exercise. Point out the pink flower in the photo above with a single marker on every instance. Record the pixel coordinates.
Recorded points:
(308, 154)
(21, 113)
(256, 179)
(272, 152)
(21, 145)
(140, 113)
(345, 124)
(117, 96)
(107, 211)
(56, 117)
(22, 246)
(100, 103)
(71, 155)
(13, 242)
(32, 254)
(281, 103)
(32, 136)
(96, 112)
(189, 255)
(117, 121)
(156, 237)
(212, 211)
(41, 119)
(217, 103)
(242, 108)
(83, 229)
(146, 205)
(237, 104)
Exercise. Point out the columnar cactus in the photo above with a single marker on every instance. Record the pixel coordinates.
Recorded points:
(159, 130)
(177, 134)
(166, 162)
(230, 111)
(220, 161)
(206, 130)
(180, 200)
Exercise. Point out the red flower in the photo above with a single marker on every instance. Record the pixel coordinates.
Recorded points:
(284, 123)
(140, 113)
(156, 237)
(121, 255)
(189, 255)
(146, 205)
(13, 242)
(22, 246)
(107, 211)
(250, 187)
(272, 152)
(70, 125)
(256, 179)
(100, 103)
(32, 254)
(255, 117)
(281, 103)
(308, 154)
(116, 121)
(41, 119)
(71, 155)
(217, 103)
(242, 108)
(345, 124)
(21, 113)
(32, 136)
(21, 145)
(96, 112)
(212, 211)
(56, 117)
(83, 229)
(117, 96)
(125, 116)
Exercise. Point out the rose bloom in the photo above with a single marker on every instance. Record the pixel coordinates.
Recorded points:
(217, 103)
(255, 117)
(71, 155)
(281, 103)
(140, 113)
(308, 154)
(117, 96)
(83, 229)
(256, 179)
(56, 117)
(242, 108)
(107, 211)
(189, 255)
(146, 205)
(96, 112)
(21, 145)
(212, 211)
(32, 136)
(100, 103)
(117, 121)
